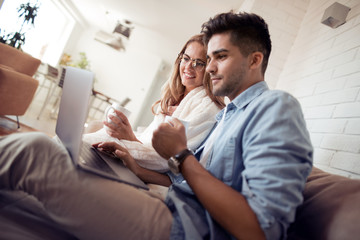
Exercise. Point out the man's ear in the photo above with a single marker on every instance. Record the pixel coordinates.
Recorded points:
(256, 59)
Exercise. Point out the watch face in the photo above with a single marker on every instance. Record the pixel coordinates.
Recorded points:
(174, 165)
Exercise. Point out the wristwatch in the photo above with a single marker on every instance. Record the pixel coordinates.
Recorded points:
(175, 161)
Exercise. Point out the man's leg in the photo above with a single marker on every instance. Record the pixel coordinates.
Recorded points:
(86, 205)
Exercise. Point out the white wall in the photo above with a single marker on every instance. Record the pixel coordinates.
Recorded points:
(284, 18)
(323, 72)
(118, 74)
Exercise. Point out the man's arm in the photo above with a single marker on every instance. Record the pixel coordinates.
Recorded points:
(227, 206)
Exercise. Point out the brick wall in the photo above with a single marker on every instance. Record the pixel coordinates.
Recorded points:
(320, 66)
(323, 72)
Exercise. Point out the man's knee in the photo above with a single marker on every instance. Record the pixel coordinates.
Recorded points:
(38, 139)
(24, 143)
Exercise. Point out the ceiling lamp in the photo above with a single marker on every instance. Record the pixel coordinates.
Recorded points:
(123, 29)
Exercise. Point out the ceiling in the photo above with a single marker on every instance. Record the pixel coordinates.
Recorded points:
(166, 24)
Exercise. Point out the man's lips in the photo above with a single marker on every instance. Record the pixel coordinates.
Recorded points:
(215, 79)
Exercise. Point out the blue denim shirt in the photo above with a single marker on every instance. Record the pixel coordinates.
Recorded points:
(264, 152)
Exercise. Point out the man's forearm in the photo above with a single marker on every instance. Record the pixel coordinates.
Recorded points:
(227, 206)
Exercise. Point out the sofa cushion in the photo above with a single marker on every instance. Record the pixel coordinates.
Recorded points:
(331, 208)
(2, 66)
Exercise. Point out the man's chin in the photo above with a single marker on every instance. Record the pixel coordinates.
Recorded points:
(218, 93)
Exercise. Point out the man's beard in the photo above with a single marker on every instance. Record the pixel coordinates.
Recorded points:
(231, 84)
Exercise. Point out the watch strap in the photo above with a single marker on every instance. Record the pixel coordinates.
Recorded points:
(181, 156)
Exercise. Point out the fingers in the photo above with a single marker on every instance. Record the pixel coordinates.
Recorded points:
(176, 123)
(110, 125)
(122, 117)
(109, 146)
(168, 140)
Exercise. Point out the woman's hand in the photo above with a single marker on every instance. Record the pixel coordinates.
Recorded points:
(120, 127)
(148, 176)
(120, 152)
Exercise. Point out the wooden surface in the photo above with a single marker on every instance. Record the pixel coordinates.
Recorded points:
(23, 128)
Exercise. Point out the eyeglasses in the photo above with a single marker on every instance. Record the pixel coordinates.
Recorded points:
(195, 63)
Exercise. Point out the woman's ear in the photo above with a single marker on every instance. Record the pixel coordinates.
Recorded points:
(256, 59)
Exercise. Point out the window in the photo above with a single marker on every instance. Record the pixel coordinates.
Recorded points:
(52, 28)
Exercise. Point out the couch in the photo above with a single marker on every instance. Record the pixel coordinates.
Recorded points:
(331, 211)
(17, 86)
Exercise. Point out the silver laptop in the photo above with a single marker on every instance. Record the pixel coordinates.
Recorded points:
(72, 115)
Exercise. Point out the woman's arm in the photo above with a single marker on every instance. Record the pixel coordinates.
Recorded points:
(149, 176)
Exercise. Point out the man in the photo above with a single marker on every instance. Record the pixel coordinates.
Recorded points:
(256, 160)
(260, 152)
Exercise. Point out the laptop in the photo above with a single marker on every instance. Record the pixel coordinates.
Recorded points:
(73, 111)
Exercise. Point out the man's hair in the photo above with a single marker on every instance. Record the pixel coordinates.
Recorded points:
(248, 31)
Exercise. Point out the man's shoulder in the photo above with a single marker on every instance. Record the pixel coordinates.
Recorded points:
(277, 97)
(276, 102)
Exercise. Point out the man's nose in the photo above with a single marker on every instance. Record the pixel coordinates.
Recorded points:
(210, 67)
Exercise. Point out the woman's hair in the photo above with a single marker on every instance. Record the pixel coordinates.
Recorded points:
(173, 90)
(248, 31)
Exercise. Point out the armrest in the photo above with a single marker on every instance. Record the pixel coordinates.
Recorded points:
(18, 60)
(16, 92)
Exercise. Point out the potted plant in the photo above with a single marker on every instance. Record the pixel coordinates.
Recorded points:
(28, 12)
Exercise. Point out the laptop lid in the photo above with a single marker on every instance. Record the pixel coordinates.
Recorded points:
(73, 111)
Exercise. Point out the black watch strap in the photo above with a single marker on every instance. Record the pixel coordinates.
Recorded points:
(181, 156)
(175, 161)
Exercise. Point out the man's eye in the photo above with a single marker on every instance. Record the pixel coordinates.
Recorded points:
(221, 56)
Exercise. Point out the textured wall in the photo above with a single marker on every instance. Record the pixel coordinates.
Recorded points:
(320, 66)
(323, 72)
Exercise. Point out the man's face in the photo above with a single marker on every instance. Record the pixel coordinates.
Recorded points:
(228, 68)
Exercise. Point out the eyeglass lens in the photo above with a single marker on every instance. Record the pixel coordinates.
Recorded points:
(195, 63)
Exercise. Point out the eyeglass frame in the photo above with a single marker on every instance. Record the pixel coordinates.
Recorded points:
(195, 63)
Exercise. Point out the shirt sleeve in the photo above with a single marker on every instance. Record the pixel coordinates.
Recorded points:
(277, 159)
(175, 178)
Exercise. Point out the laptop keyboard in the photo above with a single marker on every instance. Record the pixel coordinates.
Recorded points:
(89, 157)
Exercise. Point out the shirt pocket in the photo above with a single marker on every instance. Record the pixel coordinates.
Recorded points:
(223, 160)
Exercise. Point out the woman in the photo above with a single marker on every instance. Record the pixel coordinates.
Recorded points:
(186, 95)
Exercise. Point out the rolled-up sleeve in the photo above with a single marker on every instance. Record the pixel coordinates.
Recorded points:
(277, 160)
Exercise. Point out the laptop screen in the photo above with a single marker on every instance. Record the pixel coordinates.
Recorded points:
(73, 110)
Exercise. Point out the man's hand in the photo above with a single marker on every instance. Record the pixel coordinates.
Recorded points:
(169, 138)
(120, 127)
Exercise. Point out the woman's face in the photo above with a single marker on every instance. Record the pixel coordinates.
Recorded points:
(192, 66)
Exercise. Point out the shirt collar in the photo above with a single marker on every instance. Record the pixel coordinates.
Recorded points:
(244, 98)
